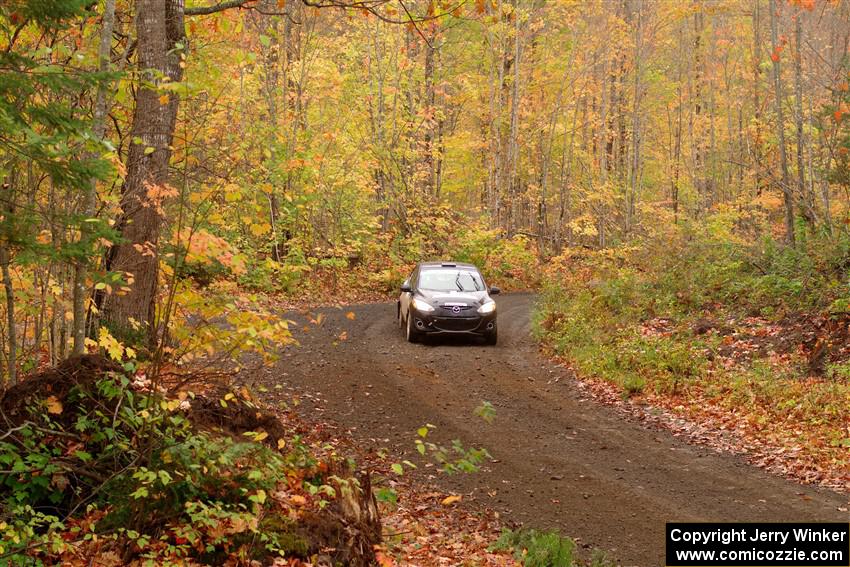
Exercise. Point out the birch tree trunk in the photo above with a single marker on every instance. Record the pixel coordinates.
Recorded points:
(697, 133)
(805, 194)
(780, 127)
(757, 96)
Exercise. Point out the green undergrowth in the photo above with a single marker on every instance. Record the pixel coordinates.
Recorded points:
(535, 548)
(663, 317)
(101, 468)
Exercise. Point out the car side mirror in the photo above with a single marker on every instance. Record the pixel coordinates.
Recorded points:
(494, 290)
(405, 287)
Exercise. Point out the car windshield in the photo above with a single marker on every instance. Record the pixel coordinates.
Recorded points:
(451, 280)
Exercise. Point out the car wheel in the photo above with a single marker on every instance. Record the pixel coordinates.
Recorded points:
(410, 331)
(491, 338)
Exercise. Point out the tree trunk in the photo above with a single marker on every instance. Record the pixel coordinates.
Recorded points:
(757, 96)
(376, 104)
(430, 126)
(711, 178)
(81, 292)
(513, 142)
(677, 146)
(602, 135)
(269, 28)
(824, 183)
(697, 132)
(161, 44)
(635, 165)
(603, 153)
(441, 150)
(805, 195)
(780, 127)
(11, 337)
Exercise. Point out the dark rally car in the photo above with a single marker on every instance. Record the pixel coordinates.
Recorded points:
(447, 298)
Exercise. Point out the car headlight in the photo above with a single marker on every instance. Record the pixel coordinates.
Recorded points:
(488, 307)
(422, 306)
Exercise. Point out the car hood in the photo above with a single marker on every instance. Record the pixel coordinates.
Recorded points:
(441, 298)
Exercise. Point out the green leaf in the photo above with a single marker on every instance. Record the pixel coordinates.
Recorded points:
(83, 456)
(397, 469)
(387, 495)
(164, 477)
(141, 492)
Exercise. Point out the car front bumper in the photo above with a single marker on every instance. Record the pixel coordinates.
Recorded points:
(442, 323)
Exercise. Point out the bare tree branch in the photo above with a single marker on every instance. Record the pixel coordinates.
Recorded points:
(412, 21)
(370, 6)
(221, 6)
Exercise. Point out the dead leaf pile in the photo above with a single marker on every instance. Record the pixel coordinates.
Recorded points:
(796, 442)
(425, 527)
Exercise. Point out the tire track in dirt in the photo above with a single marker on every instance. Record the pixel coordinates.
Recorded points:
(560, 460)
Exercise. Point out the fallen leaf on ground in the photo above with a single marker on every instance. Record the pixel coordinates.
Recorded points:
(54, 406)
(449, 500)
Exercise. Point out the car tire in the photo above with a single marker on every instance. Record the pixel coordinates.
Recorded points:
(491, 338)
(410, 332)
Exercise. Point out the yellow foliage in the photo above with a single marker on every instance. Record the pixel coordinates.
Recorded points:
(260, 229)
(110, 344)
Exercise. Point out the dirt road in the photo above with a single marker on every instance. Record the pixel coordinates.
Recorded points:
(559, 460)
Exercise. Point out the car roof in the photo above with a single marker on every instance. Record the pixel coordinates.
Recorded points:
(447, 264)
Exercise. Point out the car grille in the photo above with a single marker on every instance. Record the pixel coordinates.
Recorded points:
(447, 311)
(456, 323)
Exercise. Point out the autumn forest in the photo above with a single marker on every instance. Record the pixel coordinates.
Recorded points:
(671, 177)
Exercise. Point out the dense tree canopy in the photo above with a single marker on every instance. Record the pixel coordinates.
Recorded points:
(267, 135)
(673, 177)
